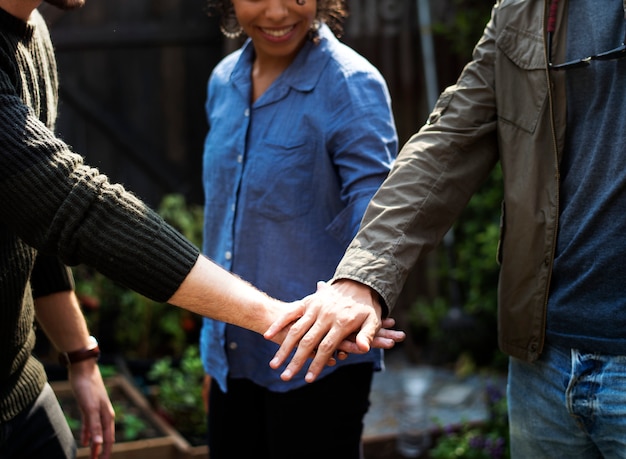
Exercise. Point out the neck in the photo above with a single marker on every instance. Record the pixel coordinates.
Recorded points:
(21, 9)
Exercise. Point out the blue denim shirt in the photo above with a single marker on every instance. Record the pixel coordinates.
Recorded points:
(287, 179)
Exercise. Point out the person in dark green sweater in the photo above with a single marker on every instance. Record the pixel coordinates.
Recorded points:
(55, 211)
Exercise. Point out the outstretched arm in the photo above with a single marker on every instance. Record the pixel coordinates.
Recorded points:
(211, 291)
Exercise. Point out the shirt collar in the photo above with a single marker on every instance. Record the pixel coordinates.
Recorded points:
(303, 73)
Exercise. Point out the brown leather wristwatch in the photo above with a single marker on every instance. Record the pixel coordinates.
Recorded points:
(92, 351)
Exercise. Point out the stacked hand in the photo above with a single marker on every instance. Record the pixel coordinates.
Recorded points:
(341, 318)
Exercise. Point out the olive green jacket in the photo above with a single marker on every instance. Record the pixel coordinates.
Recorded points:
(506, 106)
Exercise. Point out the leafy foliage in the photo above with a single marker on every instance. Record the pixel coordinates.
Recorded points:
(484, 441)
(179, 393)
(467, 19)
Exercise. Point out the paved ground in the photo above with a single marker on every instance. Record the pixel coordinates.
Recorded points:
(450, 400)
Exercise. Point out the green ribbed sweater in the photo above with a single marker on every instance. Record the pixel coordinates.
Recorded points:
(56, 211)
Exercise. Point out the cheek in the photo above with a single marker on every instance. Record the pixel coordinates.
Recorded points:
(66, 4)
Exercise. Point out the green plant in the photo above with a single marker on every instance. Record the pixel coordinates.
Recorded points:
(72, 422)
(132, 324)
(464, 25)
(107, 371)
(128, 424)
(179, 393)
(488, 440)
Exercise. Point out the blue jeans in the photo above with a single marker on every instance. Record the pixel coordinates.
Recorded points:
(40, 431)
(568, 404)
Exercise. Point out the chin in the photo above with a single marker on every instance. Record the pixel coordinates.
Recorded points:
(66, 4)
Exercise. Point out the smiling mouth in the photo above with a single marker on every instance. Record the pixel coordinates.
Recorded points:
(277, 33)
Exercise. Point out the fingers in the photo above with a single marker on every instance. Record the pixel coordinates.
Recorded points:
(290, 342)
(284, 321)
(99, 432)
(326, 350)
(327, 322)
(96, 449)
(96, 440)
(91, 434)
(353, 344)
(108, 429)
(387, 338)
(330, 334)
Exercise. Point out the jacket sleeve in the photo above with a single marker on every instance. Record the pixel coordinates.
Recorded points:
(433, 178)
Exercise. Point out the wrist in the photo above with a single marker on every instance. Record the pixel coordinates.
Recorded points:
(361, 293)
(272, 311)
(91, 351)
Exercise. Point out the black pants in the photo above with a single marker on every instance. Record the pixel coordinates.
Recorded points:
(322, 420)
(38, 432)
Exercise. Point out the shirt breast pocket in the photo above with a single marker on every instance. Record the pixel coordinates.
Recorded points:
(281, 178)
(522, 84)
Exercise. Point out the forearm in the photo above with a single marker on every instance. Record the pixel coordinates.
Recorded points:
(62, 320)
(60, 316)
(211, 291)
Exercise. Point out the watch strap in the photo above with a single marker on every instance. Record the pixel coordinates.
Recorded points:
(90, 352)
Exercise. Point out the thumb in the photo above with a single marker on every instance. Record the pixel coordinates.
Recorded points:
(322, 285)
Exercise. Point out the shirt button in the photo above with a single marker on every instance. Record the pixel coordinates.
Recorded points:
(240, 158)
(232, 207)
(247, 112)
(232, 345)
(228, 255)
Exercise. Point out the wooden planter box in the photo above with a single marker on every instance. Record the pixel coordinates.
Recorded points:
(168, 444)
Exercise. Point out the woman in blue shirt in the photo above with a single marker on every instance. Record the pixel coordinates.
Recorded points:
(301, 135)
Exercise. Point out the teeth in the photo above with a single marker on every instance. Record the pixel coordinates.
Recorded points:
(277, 32)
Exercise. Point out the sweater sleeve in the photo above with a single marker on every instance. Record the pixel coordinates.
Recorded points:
(50, 276)
(62, 207)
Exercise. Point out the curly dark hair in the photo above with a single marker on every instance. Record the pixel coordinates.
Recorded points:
(330, 12)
